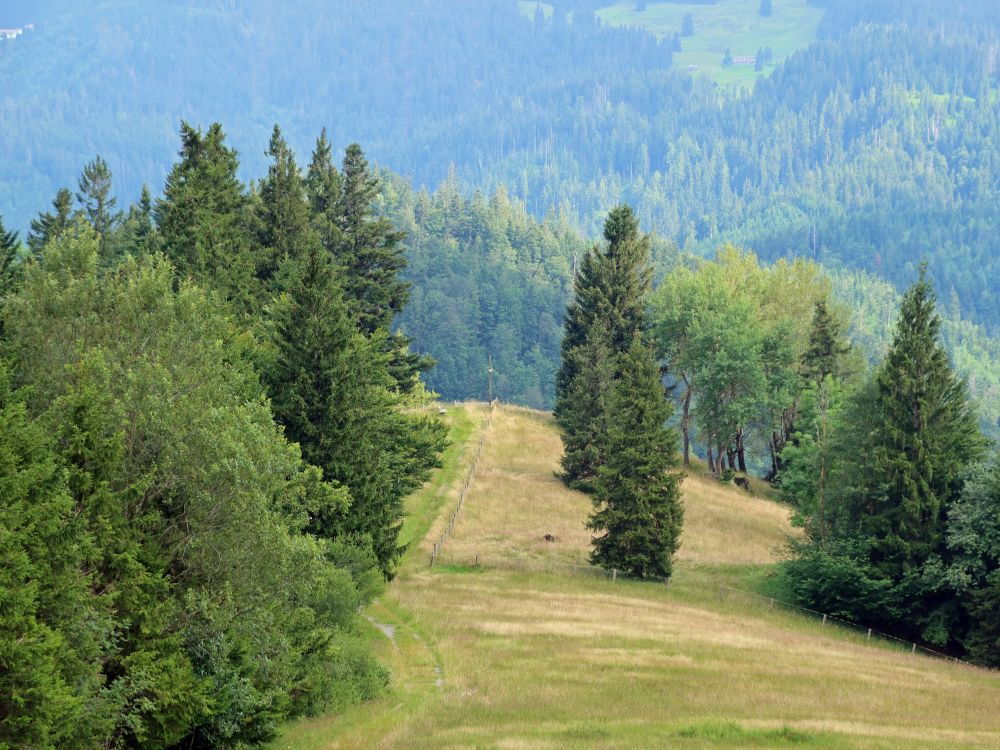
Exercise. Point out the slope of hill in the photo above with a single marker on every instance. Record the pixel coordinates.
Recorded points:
(530, 648)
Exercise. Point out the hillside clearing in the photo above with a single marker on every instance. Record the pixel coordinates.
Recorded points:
(527, 650)
(727, 24)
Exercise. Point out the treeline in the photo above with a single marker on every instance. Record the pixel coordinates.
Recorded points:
(899, 496)
(887, 468)
(207, 429)
(490, 280)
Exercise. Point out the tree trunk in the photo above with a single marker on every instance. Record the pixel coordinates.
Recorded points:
(710, 458)
(686, 424)
(741, 451)
(774, 457)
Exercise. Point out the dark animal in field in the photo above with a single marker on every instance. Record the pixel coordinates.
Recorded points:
(742, 482)
(549, 538)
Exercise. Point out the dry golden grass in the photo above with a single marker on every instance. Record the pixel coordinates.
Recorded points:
(725, 525)
(512, 656)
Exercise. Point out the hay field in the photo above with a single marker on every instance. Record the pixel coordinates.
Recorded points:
(529, 651)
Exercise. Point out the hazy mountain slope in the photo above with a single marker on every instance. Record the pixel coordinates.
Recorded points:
(871, 149)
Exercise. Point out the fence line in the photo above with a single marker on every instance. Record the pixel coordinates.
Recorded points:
(724, 593)
(436, 549)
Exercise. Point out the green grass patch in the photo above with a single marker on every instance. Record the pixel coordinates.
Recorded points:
(530, 7)
(424, 506)
(727, 24)
(730, 733)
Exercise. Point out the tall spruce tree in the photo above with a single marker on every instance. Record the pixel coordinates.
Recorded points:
(929, 435)
(284, 229)
(332, 389)
(611, 288)
(48, 226)
(370, 250)
(203, 219)
(636, 494)
(323, 190)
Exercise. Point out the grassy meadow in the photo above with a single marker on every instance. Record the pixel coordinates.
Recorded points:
(531, 649)
(733, 24)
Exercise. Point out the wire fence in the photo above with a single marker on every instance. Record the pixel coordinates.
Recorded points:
(724, 593)
(436, 549)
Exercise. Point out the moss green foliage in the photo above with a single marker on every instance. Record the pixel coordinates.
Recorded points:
(176, 572)
(605, 316)
(612, 409)
(881, 477)
(638, 513)
(735, 336)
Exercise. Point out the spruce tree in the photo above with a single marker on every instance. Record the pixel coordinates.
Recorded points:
(826, 347)
(332, 389)
(203, 221)
(311, 378)
(9, 248)
(95, 198)
(48, 226)
(636, 494)
(583, 420)
(929, 435)
(370, 250)
(140, 221)
(611, 288)
(323, 190)
(284, 227)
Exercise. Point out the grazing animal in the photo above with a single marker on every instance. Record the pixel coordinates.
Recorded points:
(742, 482)
(549, 538)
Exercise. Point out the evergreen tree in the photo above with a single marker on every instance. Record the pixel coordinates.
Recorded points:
(323, 190)
(370, 250)
(50, 622)
(611, 286)
(48, 226)
(582, 421)
(95, 198)
(9, 248)
(332, 389)
(765, 8)
(202, 218)
(284, 211)
(929, 435)
(140, 221)
(611, 289)
(312, 377)
(638, 498)
(826, 349)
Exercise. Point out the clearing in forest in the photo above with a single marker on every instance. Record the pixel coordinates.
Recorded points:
(735, 25)
(530, 648)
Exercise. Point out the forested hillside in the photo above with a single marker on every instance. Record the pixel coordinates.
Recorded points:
(870, 149)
